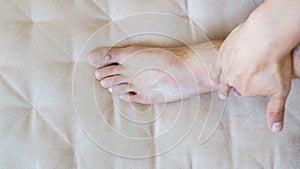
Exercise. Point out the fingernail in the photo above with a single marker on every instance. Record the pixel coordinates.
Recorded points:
(110, 89)
(222, 96)
(276, 127)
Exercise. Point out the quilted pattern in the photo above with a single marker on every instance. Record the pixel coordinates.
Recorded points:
(49, 117)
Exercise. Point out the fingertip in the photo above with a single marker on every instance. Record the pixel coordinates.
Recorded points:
(275, 113)
(277, 127)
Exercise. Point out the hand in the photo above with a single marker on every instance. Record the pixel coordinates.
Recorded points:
(252, 67)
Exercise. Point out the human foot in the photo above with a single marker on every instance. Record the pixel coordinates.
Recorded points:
(157, 75)
(296, 61)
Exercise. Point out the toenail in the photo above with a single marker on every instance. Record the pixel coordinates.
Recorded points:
(97, 75)
(107, 57)
(103, 83)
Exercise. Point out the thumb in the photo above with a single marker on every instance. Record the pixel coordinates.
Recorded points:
(275, 113)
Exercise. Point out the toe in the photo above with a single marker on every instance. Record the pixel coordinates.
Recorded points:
(108, 71)
(97, 57)
(122, 89)
(113, 80)
(106, 56)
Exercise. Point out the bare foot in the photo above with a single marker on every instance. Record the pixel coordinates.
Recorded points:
(157, 75)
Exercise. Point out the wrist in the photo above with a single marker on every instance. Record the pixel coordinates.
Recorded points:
(277, 29)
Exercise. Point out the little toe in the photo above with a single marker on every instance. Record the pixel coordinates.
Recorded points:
(107, 71)
(113, 80)
(122, 89)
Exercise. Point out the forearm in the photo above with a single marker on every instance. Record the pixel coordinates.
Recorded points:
(277, 22)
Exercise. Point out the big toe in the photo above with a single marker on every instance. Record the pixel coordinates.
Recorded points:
(105, 56)
(96, 57)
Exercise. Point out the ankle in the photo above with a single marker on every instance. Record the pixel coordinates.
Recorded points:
(296, 62)
(210, 67)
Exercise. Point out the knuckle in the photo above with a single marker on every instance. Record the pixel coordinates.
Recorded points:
(276, 114)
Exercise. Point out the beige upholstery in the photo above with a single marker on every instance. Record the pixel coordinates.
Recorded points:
(53, 114)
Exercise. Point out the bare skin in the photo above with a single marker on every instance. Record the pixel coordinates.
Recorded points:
(296, 62)
(256, 56)
(157, 75)
(254, 52)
